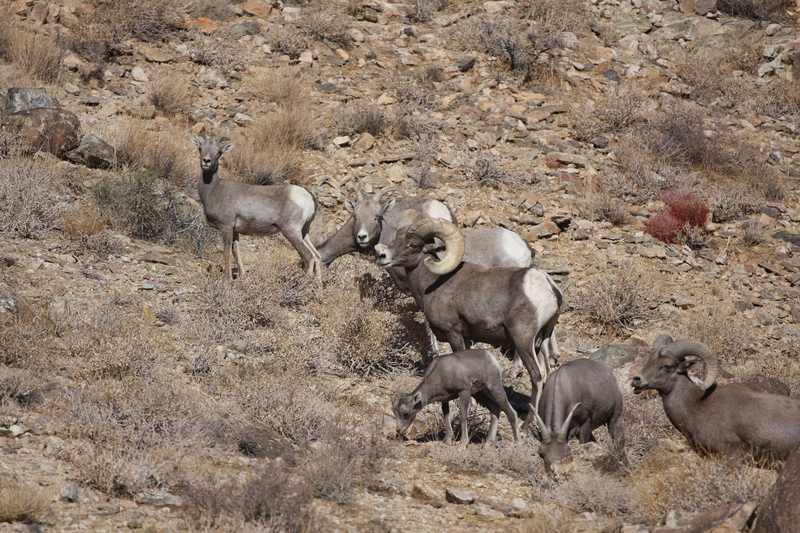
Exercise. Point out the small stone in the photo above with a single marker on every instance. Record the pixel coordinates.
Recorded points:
(421, 491)
(69, 492)
(138, 74)
(342, 141)
(365, 142)
(461, 497)
(772, 29)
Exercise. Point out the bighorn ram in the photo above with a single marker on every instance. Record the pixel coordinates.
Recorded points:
(464, 302)
(718, 418)
(464, 374)
(577, 398)
(237, 208)
(373, 222)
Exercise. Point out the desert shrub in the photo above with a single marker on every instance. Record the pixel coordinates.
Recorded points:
(215, 9)
(283, 86)
(17, 384)
(170, 94)
(145, 206)
(780, 99)
(485, 170)
(754, 233)
(678, 136)
(424, 10)
(412, 121)
(613, 115)
(602, 206)
(32, 196)
(753, 9)
(616, 303)
(36, 54)
(731, 341)
(277, 498)
(686, 207)
(501, 38)
(284, 40)
(134, 140)
(730, 200)
(664, 226)
(116, 21)
(521, 459)
(325, 22)
(597, 493)
(360, 117)
(21, 502)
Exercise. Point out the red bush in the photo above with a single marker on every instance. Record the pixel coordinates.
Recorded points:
(686, 207)
(664, 226)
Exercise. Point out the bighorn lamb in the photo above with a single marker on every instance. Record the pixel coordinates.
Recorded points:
(237, 208)
(373, 222)
(464, 374)
(464, 302)
(718, 418)
(577, 398)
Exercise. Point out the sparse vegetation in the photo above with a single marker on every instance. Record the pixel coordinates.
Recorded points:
(170, 94)
(34, 54)
(618, 302)
(359, 118)
(30, 196)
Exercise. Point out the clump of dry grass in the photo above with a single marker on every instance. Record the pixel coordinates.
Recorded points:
(32, 196)
(133, 141)
(594, 492)
(170, 93)
(325, 22)
(17, 384)
(616, 114)
(21, 502)
(283, 86)
(424, 10)
(616, 303)
(359, 117)
(37, 55)
(754, 233)
(284, 40)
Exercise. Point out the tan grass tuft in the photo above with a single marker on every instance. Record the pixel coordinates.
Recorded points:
(38, 55)
(22, 503)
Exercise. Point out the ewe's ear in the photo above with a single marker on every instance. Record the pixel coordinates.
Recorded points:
(388, 205)
(197, 142)
(225, 148)
(416, 401)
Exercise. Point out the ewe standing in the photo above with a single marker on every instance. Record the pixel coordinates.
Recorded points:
(237, 208)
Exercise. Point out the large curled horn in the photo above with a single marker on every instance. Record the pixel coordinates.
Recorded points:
(454, 247)
(564, 432)
(385, 190)
(543, 429)
(680, 349)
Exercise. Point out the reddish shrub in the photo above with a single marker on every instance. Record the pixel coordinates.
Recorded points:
(686, 207)
(664, 226)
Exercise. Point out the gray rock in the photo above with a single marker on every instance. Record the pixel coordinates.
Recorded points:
(69, 492)
(159, 498)
(93, 152)
(461, 497)
(20, 99)
(42, 129)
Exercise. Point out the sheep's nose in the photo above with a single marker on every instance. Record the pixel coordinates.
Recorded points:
(363, 236)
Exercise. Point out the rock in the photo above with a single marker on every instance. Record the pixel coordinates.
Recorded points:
(780, 509)
(159, 498)
(93, 152)
(616, 355)
(138, 74)
(69, 492)
(250, 27)
(548, 229)
(342, 141)
(461, 497)
(156, 56)
(365, 142)
(19, 99)
(53, 130)
(772, 29)
(257, 8)
(421, 491)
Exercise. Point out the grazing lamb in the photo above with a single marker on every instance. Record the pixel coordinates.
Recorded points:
(462, 375)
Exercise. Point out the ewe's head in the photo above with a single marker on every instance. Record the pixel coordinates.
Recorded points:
(211, 150)
(405, 408)
(368, 215)
(667, 363)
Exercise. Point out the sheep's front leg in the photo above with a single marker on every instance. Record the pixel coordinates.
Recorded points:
(227, 245)
(448, 427)
(465, 398)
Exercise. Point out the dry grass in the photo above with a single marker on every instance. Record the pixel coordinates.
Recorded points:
(599, 206)
(616, 303)
(325, 22)
(35, 54)
(283, 86)
(171, 94)
(31, 196)
(359, 117)
(755, 9)
(21, 502)
(134, 139)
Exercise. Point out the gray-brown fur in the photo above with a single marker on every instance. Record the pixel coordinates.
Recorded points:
(236, 208)
(718, 418)
(577, 398)
(499, 306)
(461, 375)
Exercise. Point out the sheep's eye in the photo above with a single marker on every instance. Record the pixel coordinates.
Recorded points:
(667, 368)
(405, 415)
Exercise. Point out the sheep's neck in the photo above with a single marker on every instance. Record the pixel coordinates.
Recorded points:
(207, 182)
(682, 402)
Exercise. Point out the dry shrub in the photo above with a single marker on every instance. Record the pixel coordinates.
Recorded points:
(170, 93)
(214, 9)
(134, 140)
(415, 122)
(711, 79)
(32, 196)
(595, 493)
(646, 425)
(521, 459)
(36, 54)
(543, 523)
(730, 340)
(273, 498)
(754, 9)
(268, 151)
(617, 302)
(615, 114)
(116, 21)
(423, 10)
(730, 200)
(602, 206)
(285, 40)
(17, 384)
(325, 22)
(754, 233)
(780, 99)
(359, 117)
(21, 502)
(485, 170)
(282, 85)
(688, 483)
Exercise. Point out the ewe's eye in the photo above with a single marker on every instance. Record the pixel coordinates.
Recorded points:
(405, 415)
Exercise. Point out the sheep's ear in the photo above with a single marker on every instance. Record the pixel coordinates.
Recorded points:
(197, 142)
(348, 204)
(225, 148)
(390, 204)
(416, 401)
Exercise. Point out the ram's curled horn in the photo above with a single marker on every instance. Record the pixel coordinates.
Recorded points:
(564, 432)
(544, 432)
(454, 247)
(682, 348)
(385, 190)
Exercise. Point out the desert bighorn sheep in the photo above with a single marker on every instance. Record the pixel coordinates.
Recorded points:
(373, 222)
(462, 375)
(464, 302)
(718, 418)
(577, 398)
(237, 208)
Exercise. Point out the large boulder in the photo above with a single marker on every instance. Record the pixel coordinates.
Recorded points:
(779, 511)
(50, 130)
(19, 99)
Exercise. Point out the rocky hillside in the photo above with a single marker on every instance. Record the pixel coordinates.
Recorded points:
(141, 390)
